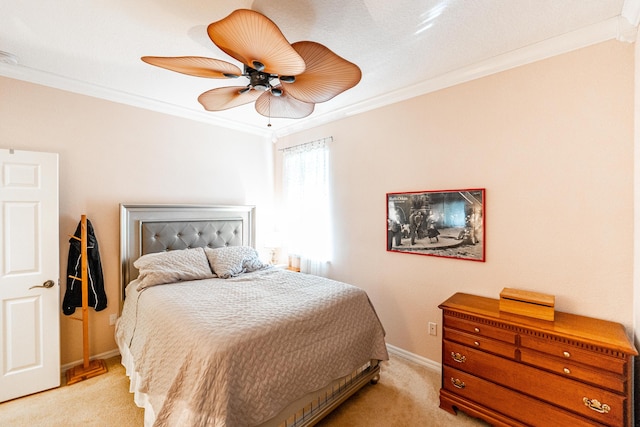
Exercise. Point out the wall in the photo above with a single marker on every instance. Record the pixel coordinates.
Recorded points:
(111, 154)
(552, 143)
(636, 278)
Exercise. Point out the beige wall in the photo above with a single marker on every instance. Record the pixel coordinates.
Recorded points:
(636, 294)
(110, 154)
(552, 143)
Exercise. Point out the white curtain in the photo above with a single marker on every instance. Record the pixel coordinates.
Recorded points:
(306, 205)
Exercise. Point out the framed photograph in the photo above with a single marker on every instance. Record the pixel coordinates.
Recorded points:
(437, 223)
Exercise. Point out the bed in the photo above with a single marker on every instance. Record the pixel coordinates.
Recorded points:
(211, 336)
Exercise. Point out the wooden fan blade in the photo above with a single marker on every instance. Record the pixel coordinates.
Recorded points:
(250, 37)
(195, 66)
(283, 106)
(326, 76)
(227, 97)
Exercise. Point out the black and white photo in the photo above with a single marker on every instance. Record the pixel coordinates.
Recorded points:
(437, 223)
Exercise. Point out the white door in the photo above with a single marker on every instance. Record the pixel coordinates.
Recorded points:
(29, 273)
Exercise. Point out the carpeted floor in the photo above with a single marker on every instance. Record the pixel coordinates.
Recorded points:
(102, 401)
(407, 395)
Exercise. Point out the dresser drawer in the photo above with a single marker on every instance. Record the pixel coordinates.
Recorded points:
(480, 329)
(482, 343)
(524, 409)
(590, 401)
(574, 354)
(568, 369)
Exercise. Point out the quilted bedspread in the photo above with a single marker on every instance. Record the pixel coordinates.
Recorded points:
(235, 352)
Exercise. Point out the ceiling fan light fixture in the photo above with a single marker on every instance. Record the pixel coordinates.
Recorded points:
(289, 79)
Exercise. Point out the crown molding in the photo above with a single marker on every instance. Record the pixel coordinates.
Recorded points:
(623, 28)
(631, 12)
(614, 28)
(43, 78)
(617, 28)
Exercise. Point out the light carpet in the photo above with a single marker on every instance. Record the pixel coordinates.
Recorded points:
(407, 395)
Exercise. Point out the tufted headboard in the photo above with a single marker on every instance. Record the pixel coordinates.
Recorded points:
(156, 228)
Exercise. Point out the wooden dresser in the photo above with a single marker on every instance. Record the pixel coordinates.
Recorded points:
(512, 370)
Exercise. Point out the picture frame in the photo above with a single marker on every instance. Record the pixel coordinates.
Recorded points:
(445, 223)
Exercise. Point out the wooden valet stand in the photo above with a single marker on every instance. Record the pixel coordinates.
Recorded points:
(89, 368)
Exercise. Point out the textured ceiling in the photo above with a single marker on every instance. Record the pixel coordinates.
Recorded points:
(94, 46)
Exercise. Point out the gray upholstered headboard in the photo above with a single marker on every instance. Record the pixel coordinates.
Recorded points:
(156, 228)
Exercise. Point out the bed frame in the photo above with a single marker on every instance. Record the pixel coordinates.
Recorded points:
(156, 228)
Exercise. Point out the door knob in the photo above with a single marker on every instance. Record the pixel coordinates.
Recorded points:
(48, 284)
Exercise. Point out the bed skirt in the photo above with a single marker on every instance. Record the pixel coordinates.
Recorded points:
(139, 397)
(304, 412)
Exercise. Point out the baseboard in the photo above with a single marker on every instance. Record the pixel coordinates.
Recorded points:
(115, 352)
(412, 357)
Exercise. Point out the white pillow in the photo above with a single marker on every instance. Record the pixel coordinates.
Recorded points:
(172, 266)
(229, 261)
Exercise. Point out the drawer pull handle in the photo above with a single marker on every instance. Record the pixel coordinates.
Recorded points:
(566, 354)
(566, 370)
(476, 343)
(457, 357)
(477, 330)
(601, 408)
(460, 384)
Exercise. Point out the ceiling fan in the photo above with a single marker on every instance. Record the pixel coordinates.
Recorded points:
(285, 80)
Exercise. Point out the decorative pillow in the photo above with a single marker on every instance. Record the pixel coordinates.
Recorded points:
(172, 266)
(229, 261)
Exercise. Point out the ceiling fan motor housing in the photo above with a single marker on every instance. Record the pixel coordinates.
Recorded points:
(257, 79)
(261, 81)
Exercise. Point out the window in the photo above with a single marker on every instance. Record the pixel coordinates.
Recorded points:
(306, 228)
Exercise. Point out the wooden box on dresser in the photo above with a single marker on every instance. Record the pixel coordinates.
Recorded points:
(512, 370)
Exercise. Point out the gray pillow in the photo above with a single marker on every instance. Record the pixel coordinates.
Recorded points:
(172, 266)
(229, 261)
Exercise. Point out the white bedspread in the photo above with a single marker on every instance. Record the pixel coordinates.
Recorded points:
(234, 352)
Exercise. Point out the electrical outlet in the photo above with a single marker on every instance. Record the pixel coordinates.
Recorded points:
(433, 328)
(112, 319)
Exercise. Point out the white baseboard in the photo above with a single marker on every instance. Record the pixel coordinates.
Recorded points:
(111, 353)
(412, 357)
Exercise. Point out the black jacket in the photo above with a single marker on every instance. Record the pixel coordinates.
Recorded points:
(73, 295)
